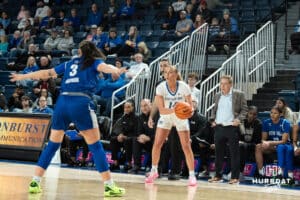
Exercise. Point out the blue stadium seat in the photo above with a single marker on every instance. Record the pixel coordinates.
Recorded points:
(9, 90)
(152, 45)
(79, 36)
(3, 63)
(4, 77)
(165, 44)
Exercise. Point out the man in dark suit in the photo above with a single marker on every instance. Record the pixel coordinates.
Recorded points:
(229, 110)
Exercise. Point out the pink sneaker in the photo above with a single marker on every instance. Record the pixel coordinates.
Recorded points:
(152, 176)
(192, 181)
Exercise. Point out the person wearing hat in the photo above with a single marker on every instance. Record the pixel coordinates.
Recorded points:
(52, 41)
(204, 11)
(75, 21)
(92, 33)
(183, 26)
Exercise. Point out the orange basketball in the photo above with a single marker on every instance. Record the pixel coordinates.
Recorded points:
(183, 110)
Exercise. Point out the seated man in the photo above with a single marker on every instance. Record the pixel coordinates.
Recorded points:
(145, 135)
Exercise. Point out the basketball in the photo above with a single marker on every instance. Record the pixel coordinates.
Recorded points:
(183, 110)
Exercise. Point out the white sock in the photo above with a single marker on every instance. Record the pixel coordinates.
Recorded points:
(154, 169)
(109, 182)
(191, 173)
(37, 179)
(261, 171)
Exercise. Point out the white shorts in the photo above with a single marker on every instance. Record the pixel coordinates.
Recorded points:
(170, 120)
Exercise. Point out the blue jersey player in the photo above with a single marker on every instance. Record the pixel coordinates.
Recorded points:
(75, 105)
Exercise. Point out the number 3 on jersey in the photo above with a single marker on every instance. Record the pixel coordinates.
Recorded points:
(73, 71)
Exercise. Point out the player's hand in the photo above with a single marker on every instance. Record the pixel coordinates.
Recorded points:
(236, 122)
(150, 122)
(15, 77)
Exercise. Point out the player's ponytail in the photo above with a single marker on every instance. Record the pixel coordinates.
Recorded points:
(89, 53)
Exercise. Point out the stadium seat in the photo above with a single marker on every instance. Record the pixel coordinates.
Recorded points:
(152, 45)
(166, 44)
(79, 36)
(3, 63)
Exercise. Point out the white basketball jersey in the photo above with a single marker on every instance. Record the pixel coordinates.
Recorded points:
(171, 98)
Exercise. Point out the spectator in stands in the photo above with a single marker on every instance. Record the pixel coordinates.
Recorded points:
(99, 39)
(42, 106)
(137, 67)
(145, 51)
(110, 13)
(25, 42)
(179, 5)
(52, 41)
(189, 9)
(93, 32)
(31, 66)
(275, 138)
(144, 137)
(28, 27)
(5, 21)
(21, 13)
(295, 40)
(126, 10)
(286, 111)
(43, 92)
(66, 43)
(23, 22)
(229, 110)
(113, 42)
(123, 131)
(213, 33)
(199, 21)
(66, 26)
(3, 45)
(170, 19)
(45, 62)
(48, 84)
(204, 11)
(94, 16)
(229, 31)
(106, 87)
(183, 26)
(75, 21)
(15, 40)
(131, 41)
(59, 20)
(21, 61)
(23, 45)
(26, 105)
(250, 136)
(74, 141)
(192, 80)
(40, 12)
(15, 100)
(47, 22)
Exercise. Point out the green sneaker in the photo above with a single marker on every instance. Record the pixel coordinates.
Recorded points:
(34, 187)
(113, 191)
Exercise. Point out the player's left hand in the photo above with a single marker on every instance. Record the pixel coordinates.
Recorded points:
(15, 77)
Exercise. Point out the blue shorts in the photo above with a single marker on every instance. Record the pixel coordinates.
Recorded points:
(77, 109)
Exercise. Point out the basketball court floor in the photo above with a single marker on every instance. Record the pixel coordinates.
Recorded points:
(68, 183)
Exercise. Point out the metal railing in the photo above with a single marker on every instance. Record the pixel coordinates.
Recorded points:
(251, 66)
(197, 50)
(135, 90)
(210, 86)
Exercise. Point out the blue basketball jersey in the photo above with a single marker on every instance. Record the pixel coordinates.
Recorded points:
(275, 131)
(77, 80)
